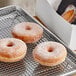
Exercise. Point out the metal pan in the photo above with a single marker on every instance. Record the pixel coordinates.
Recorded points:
(11, 15)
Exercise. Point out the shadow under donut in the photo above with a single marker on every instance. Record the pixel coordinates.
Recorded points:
(12, 69)
(47, 71)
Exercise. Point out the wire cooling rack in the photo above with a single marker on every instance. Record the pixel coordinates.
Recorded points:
(12, 15)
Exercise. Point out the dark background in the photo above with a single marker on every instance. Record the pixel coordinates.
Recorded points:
(63, 6)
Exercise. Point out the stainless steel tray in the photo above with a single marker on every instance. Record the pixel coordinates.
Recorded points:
(11, 15)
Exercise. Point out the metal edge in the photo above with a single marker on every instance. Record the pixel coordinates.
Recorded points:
(69, 73)
(24, 11)
(6, 10)
(10, 6)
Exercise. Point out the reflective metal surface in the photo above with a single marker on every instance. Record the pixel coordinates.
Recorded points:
(12, 15)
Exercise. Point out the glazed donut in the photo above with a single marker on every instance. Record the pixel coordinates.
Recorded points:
(49, 53)
(28, 32)
(12, 50)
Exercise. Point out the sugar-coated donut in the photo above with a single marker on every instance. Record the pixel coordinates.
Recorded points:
(12, 50)
(49, 53)
(28, 32)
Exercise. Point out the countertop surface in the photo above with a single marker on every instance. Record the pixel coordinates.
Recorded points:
(28, 5)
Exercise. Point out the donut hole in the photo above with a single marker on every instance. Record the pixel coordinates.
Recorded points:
(28, 28)
(10, 44)
(50, 49)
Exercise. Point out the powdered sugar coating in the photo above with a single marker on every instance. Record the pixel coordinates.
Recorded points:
(28, 35)
(11, 48)
(41, 53)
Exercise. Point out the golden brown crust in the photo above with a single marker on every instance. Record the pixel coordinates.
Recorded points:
(28, 39)
(69, 16)
(51, 58)
(5, 59)
(32, 35)
(12, 53)
(50, 61)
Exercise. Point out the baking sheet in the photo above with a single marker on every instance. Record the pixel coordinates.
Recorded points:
(9, 16)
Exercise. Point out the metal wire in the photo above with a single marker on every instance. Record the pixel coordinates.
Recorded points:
(27, 66)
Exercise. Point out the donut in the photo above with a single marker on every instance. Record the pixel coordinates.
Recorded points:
(69, 16)
(49, 53)
(12, 50)
(28, 32)
(69, 13)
